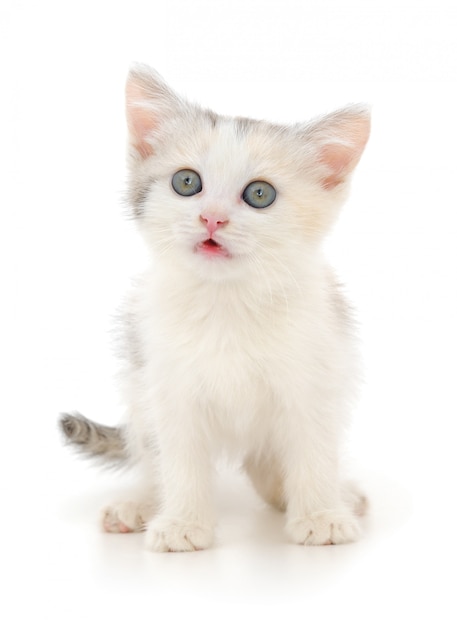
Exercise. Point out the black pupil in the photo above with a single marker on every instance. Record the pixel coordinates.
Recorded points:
(188, 180)
(259, 193)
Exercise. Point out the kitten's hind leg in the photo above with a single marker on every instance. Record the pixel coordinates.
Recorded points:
(127, 517)
(264, 471)
(133, 512)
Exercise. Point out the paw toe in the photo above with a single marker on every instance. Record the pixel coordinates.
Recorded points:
(124, 517)
(326, 528)
(177, 536)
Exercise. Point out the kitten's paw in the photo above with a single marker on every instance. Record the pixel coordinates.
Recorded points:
(126, 517)
(323, 529)
(169, 535)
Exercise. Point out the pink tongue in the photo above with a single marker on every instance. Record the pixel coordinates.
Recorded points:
(212, 243)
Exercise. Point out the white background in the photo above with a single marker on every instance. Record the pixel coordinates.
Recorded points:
(67, 255)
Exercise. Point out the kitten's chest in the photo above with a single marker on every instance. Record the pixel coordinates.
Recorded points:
(232, 358)
(222, 358)
(225, 331)
(223, 339)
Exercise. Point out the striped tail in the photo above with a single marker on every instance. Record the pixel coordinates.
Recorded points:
(103, 443)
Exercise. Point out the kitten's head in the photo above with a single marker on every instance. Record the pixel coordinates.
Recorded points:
(221, 195)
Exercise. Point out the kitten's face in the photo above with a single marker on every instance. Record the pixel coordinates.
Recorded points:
(225, 196)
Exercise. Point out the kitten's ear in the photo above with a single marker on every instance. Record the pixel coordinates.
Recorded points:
(149, 101)
(340, 139)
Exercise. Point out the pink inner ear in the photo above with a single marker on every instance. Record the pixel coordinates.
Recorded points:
(338, 158)
(342, 155)
(140, 118)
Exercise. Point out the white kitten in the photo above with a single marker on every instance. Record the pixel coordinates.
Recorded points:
(238, 338)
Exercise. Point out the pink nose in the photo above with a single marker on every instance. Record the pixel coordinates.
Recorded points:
(213, 222)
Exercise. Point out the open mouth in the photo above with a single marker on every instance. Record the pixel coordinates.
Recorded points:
(210, 247)
(211, 243)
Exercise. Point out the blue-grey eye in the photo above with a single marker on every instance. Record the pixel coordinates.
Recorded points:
(259, 194)
(186, 183)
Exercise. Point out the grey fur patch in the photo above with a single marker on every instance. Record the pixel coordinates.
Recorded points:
(213, 117)
(92, 439)
(244, 125)
(138, 194)
(130, 344)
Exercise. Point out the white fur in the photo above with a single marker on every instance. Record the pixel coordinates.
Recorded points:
(251, 355)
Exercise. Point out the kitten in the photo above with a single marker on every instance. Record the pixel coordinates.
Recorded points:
(237, 336)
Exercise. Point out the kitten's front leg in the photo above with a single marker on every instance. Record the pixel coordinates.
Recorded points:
(186, 520)
(316, 511)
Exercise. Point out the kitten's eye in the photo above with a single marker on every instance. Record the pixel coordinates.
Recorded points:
(259, 194)
(186, 183)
